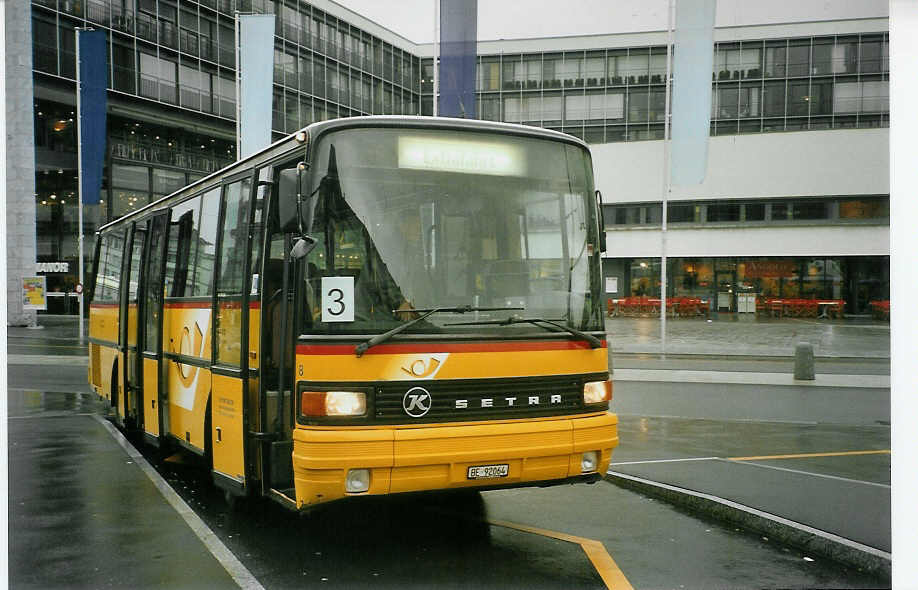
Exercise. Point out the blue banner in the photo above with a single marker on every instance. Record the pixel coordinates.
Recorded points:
(692, 65)
(458, 53)
(93, 97)
(256, 76)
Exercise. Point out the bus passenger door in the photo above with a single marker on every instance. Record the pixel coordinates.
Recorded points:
(229, 386)
(150, 329)
(130, 312)
(275, 351)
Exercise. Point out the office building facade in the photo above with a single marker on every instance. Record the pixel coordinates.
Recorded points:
(795, 202)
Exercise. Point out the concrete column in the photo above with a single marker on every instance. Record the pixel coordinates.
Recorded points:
(20, 157)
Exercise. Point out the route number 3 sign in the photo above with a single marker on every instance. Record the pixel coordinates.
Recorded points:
(337, 299)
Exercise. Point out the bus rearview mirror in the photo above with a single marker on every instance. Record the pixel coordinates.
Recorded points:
(288, 195)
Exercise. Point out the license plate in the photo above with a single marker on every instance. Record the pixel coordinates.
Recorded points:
(488, 471)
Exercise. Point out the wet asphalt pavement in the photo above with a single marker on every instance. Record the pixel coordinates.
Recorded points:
(82, 516)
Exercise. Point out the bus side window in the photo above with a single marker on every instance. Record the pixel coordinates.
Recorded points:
(230, 280)
(183, 246)
(98, 291)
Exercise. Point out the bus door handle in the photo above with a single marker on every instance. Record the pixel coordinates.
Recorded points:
(264, 436)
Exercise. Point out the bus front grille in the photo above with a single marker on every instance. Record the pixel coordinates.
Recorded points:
(477, 399)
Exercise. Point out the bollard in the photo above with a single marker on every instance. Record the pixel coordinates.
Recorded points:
(804, 365)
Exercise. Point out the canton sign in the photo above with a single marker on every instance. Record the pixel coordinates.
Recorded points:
(417, 402)
(509, 402)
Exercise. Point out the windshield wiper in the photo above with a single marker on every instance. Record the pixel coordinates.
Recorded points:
(362, 347)
(593, 340)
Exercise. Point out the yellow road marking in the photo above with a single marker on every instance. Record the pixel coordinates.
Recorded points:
(605, 566)
(806, 455)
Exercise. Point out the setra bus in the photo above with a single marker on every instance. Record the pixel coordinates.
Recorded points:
(373, 305)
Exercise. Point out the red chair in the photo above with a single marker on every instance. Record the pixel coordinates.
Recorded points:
(809, 308)
(775, 307)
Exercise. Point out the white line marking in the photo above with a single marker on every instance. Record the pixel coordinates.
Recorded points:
(230, 563)
(665, 461)
(869, 483)
(760, 514)
(743, 420)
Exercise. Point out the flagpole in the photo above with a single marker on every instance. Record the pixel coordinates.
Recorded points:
(238, 90)
(79, 181)
(667, 176)
(436, 56)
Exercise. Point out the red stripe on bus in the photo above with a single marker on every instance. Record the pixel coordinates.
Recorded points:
(102, 305)
(187, 305)
(431, 347)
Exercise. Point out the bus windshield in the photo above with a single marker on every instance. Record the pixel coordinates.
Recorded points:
(411, 219)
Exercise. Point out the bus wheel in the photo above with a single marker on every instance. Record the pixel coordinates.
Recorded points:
(233, 503)
(113, 397)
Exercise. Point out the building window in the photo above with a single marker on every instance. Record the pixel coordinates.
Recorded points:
(754, 211)
(723, 212)
(863, 209)
(779, 211)
(157, 78)
(810, 210)
(683, 214)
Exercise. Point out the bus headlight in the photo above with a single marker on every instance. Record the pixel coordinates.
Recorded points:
(333, 403)
(358, 480)
(597, 392)
(589, 461)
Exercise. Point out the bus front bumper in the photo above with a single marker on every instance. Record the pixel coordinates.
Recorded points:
(432, 457)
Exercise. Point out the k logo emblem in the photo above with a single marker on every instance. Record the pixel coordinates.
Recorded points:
(417, 402)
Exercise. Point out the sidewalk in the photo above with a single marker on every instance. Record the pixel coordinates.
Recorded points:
(66, 529)
(746, 335)
(821, 486)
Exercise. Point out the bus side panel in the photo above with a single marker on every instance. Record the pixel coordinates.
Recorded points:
(151, 396)
(103, 322)
(107, 357)
(187, 331)
(132, 325)
(188, 404)
(95, 368)
(103, 327)
(227, 424)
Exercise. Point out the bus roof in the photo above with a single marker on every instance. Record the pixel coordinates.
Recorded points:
(315, 130)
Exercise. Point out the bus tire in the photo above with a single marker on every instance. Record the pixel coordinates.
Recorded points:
(113, 397)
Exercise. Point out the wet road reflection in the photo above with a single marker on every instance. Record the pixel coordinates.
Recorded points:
(422, 541)
(78, 518)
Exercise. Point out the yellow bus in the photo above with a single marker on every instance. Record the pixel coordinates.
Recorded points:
(373, 305)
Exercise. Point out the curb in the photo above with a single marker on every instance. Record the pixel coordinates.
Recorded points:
(803, 537)
(749, 378)
(44, 359)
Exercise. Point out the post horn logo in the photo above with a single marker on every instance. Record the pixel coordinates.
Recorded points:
(420, 369)
(188, 372)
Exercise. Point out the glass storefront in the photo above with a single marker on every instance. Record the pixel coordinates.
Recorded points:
(856, 279)
(145, 162)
